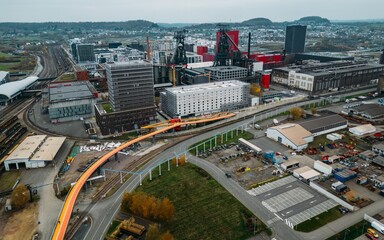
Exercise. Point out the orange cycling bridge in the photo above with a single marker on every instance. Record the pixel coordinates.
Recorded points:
(69, 203)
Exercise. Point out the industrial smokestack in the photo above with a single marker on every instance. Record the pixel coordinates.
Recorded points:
(249, 45)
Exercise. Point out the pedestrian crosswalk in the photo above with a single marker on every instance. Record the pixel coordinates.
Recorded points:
(270, 221)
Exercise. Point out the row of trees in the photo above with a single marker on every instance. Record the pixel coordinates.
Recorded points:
(297, 112)
(146, 206)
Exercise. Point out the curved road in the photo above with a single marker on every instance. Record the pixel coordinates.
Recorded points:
(66, 212)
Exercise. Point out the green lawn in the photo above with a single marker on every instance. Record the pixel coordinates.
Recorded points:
(352, 232)
(226, 140)
(320, 220)
(204, 209)
(8, 179)
(107, 107)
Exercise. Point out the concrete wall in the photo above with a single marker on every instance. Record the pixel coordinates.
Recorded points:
(331, 196)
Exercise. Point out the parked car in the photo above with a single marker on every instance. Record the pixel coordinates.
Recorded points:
(228, 175)
(369, 236)
(372, 232)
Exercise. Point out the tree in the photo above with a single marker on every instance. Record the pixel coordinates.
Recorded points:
(20, 197)
(313, 110)
(296, 112)
(167, 210)
(153, 232)
(126, 201)
(166, 236)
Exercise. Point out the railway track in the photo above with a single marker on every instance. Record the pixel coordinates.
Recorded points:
(114, 181)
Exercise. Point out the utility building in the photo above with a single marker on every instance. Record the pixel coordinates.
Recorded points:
(204, 98)
(295, 38)
(221, 73)
(131, 97)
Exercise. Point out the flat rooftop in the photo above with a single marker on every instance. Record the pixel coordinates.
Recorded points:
(48, 149)
(206, 86)
(224, 68)
(59, 92)
(324, 120)
(334, 67)
(27, 148)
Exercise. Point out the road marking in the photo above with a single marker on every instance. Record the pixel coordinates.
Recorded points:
(289, 186)
(312, 201)
(267, 195)
(289, 212)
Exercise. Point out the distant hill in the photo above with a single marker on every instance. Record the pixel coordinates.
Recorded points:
(127, 25)
(174, 25)
(313, 19)
(257, 21)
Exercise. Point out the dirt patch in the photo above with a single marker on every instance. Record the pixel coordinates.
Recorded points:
(25, 220)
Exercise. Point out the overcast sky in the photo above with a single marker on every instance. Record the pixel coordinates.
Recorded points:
(186, 11)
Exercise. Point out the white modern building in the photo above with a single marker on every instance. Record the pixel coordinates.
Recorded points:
(291, 135)
(206, 98)
(34, 152)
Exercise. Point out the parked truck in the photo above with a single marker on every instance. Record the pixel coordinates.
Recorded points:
(130, 227)
(378, 226)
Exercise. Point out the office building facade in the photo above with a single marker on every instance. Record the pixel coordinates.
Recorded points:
(85, 53)
(131, 97)
(295, 38)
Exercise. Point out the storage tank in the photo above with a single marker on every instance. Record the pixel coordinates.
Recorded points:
(265, 80)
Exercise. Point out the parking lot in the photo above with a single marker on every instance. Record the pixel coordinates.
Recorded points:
(292, 200)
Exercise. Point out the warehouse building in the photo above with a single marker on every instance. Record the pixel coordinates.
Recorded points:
(370, 111)
(221, 73)
(131, 97)
(70, 101)
(328, 76)
(363, 129)
(291, 135)
(204, 98)
(34, 152)
(326, 123)
(11, 90)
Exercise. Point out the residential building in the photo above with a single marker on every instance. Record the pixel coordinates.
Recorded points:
(131, 97)
(204, 98)
(295, 38)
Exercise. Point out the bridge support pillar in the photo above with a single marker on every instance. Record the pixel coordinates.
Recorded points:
(150, 175)
(159, 169)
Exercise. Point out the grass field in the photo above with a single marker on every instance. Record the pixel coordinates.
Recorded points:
(8, 179)
(204, 209)
(226, 140)
(320, 220)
